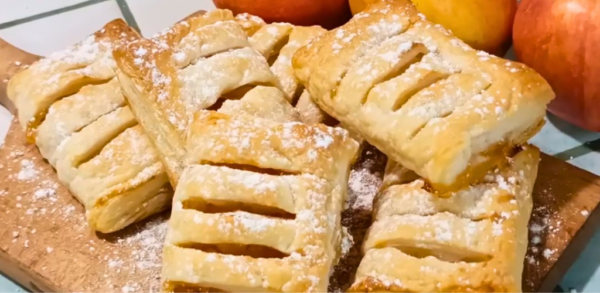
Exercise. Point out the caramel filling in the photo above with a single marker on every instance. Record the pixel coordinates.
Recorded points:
(496, 156)
(251, 250)
(33, 124)
(181, 287)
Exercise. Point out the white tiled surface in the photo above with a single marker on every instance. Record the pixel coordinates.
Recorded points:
(16, 9)
(153, 16)
(558, 136)
(52, 33)
(5, 118)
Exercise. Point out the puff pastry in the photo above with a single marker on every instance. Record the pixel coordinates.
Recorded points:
(473, 241)
(258, 194)
(71, 106)
(421, 96)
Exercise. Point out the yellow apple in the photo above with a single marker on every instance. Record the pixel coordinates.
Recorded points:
(357, 6)
(483, 24)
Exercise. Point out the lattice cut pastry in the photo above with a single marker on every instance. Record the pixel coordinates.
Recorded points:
(421, 96)
(71, 106)
(263, 211)
(258, 194)
(250, 23)
(278, 42)
(473, 241)
(163, 73)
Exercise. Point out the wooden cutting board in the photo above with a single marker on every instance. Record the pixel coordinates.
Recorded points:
(45, 244)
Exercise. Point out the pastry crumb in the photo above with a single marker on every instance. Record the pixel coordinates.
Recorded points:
(548, 252)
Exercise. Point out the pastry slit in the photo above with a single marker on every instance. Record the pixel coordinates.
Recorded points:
(92, 153)
(417, 54)
(415, 88)
(40, 116)
(365, 52)
(441, 252)
(296, 97)
(181, 287)
(254, 169)
(274, 54)
(225, 50)
(251, 250)
(77, 130)
(441, 115)
(421, 127)
(235, 94)
(213, 206)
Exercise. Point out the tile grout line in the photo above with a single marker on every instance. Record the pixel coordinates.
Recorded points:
(578, 151)
(128, 15)
(27, 19)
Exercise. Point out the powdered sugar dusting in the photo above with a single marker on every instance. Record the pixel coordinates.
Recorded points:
(28, 171)
(364, 182)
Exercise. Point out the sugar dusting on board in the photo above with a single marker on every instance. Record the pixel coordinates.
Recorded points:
(365, 179)
(41, 209)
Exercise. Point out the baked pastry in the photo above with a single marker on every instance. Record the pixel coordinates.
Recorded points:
(71, 106)
(258, 194)
(250, 23)
(421, 96)
(263, 211)
(278, 42)
(160, 77)
(473, 241)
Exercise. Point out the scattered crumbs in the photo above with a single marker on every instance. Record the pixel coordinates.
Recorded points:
(364, 182)
(363, 185)
(26, 243)
(347, 241)
(548, 252)
(585, 213)
(15, 234)
(27, 171)
(49, 249)
(44, 193)
(144, 248)
(536, 228)
(18, 63)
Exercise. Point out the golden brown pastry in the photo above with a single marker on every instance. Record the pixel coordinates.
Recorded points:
(278, 42)
(250, 23)
(422, 96)
(258, 194)
(71, 106)
(473, 241)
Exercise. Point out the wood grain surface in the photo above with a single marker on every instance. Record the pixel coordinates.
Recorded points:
(11, 60)
(45, 244)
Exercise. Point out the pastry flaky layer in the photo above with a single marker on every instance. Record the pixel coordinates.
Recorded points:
(259, 194)
(262, 213)
(163, 72)
(473, 241)
(71, 106)
(422, 96)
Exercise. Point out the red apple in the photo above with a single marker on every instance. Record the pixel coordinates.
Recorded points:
(326, 13)
(561, 40)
